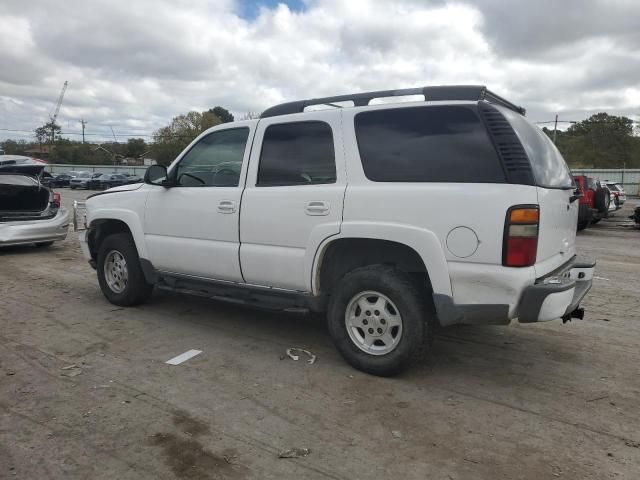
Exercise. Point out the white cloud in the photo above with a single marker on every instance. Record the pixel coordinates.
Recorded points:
(135, 65)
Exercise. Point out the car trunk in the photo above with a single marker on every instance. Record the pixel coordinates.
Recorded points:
(23, 197)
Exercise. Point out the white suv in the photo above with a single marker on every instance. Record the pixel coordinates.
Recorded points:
(391, 218)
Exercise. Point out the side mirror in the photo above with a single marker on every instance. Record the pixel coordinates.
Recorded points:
(157, 175)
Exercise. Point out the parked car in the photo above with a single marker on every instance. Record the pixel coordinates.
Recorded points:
(81, 180)
(108, 180)
(30, 212)
(594, 203)
(60, 180)
(618, 192)
(46, 178)
(284, 229)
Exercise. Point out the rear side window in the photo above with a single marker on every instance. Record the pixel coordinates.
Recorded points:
(299, 153)
(427, 144)
(549, 168)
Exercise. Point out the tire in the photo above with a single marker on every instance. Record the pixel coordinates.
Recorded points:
(582, 225)
(365, 286)
(120, 249)
(44, 244)
(602, 200)
(595, 220)
(72, 187)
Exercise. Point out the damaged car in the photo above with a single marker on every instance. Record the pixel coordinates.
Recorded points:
(30, 212)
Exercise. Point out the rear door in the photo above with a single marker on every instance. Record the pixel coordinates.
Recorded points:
(555, 187)
(293, 197)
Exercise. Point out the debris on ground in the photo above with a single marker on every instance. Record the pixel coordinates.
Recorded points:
(10, 372)
(71, 371)
(294, 453)
(294, 357)
(396, 433)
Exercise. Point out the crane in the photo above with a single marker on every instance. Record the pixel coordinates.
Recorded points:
(57, 110)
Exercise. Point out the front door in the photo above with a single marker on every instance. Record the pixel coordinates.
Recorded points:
(192, 228)
(293, 197)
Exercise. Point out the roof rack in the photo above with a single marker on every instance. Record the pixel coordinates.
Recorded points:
(435, 93)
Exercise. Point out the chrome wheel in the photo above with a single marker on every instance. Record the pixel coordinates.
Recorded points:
(115, 271)
(373, 322)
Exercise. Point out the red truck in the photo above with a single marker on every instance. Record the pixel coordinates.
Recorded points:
(594, 203)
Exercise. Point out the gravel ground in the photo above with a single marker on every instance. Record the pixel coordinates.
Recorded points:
(85, 392)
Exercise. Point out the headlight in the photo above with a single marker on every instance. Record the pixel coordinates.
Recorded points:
(79, 216)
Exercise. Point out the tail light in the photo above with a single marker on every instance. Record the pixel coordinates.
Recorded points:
(521, 236)
(55, 198)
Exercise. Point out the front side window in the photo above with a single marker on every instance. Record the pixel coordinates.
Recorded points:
(300, 153)
(215, 161)
(427, 144)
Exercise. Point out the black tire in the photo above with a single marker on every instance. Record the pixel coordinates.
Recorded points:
(136, 290)
(405, 294)
(72, 187)
(602, 200)
(582, 225)
(595, 220)
(44, 244)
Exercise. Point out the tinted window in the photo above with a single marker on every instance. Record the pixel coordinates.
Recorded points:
(215, 161)
(427, 144)
(549, 168)
(299, 153)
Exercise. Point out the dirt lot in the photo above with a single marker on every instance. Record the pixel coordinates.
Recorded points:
(85, 392)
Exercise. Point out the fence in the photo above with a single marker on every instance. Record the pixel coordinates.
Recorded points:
(65, 167)
(628, 178)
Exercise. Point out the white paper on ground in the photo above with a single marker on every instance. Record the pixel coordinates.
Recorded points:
(183, 357)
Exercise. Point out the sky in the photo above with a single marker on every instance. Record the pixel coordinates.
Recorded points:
(133, 66)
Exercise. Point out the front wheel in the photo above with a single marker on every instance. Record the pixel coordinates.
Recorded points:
(378, 320)
(119, 273)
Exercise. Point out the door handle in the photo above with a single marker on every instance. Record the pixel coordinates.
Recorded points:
(227, 206)
(317, 207)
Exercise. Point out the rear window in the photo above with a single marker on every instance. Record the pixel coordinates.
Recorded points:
(427, 144)
(549, 168)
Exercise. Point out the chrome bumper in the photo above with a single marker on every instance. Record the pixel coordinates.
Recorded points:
(36, 231)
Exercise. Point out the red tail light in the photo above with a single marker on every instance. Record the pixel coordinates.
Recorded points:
(56, 198)
(521, 236)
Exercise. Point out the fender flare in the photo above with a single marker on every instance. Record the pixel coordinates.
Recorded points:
(129, 218)
(424, 242)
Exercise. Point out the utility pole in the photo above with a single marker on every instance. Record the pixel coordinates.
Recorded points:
(555, 130)
(84, 123)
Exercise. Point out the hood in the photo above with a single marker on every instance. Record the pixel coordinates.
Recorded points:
(122, 188)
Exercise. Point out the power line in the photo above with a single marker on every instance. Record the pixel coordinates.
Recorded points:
(130, 134)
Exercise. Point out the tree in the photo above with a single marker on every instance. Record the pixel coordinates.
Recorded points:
(135, 147)
(223, 114)
(10, 147)
(172, 139)
(605, 140)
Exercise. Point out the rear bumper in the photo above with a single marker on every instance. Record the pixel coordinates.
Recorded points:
(557, 295)
(553, 296)
(36, 231)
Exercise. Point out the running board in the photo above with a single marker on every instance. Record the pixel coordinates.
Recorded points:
(254, 296)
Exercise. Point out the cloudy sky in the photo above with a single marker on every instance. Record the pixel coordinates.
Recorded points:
(133, 65)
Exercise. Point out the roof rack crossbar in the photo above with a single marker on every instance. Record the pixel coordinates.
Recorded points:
(434, 93)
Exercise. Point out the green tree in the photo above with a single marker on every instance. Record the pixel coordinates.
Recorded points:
(135, 147)
(172, 139)
(605, 141)
(222, 113)
(10, 147)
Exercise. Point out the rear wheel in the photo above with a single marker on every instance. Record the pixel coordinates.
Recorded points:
(378, 320)
(119, 273)
(582, 225)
